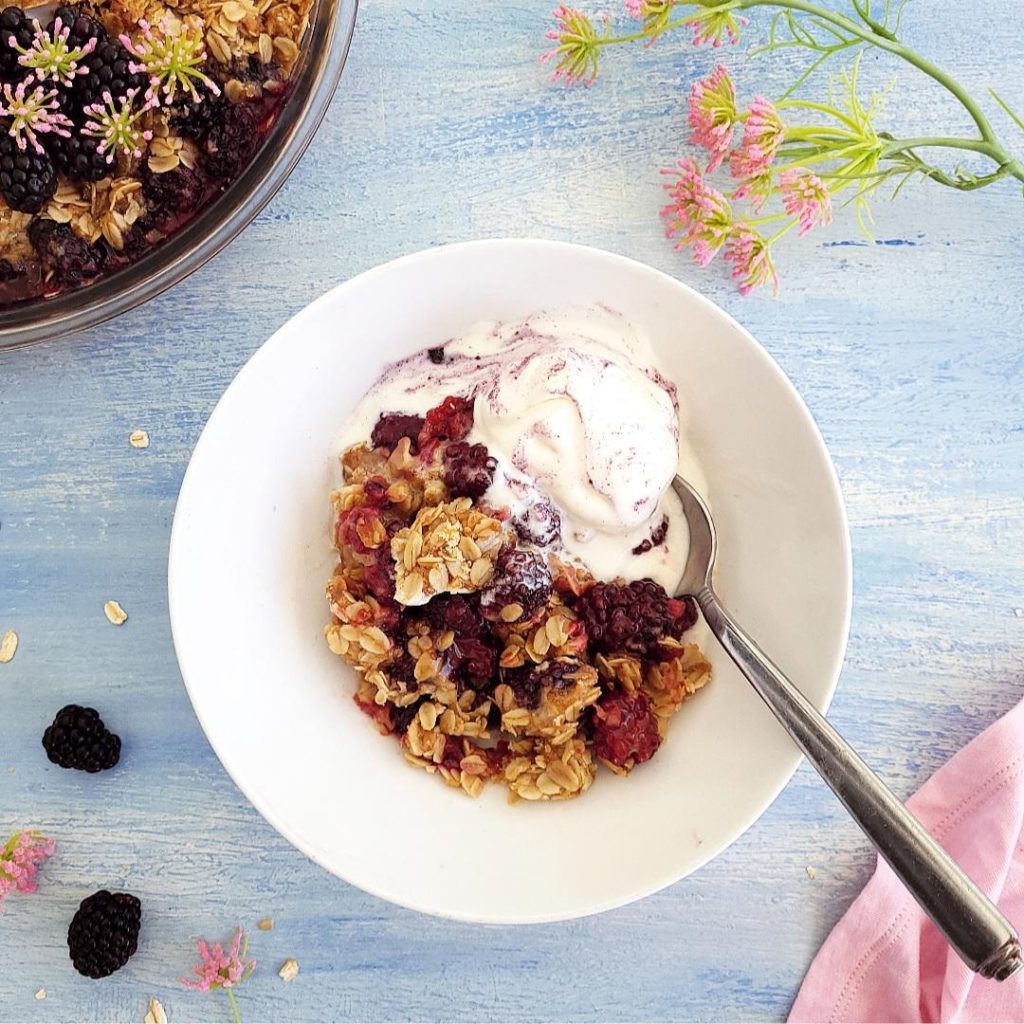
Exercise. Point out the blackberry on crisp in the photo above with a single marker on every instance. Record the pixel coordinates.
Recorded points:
(633, 618)
(104, 933)
(78, 739)
(520, 586)
(78, 156)
(28, 179)
(71, 259)
(14, 22)
(468, 469)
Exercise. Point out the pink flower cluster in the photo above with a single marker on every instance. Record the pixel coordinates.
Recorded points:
(701, 218)
(19, 862)
(219, 969)
(576, 47)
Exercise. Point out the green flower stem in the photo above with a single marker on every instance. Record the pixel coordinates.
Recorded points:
(823, 109)
(885, 42)
(234, 1005)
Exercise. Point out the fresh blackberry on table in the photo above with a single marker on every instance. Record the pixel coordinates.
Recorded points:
(172, 193)
(229, 143)
(528, 683)
(79, 739)
(71, 259)
(104, 933)
(625, 729)
(392, 427)
(27, 179)
(520, 586)
(78, 156)
(633, 618)
(468, 469)
(14, 22)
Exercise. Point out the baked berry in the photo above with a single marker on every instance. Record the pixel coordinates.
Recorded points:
(625, 729)
(71, 259)
(633, 618)
(8, 272)
(229, 143)
(379, 576)
(454, 612)
(452, 420)
(27, 179)
(468, 469)
(193, 120)
(436, 355)
(79, 739)
(529, 683)
(521, 580)
(173, 193)
(392, 427)
(538, 524)
(14, 22)
(104, 933)
(656, 539)
(474, 662)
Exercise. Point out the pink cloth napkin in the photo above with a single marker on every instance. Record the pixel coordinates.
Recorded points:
(885, 961)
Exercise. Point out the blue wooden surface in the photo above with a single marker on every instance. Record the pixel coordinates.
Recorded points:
(907, 351)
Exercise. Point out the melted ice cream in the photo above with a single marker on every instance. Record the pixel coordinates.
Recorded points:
(583, 424)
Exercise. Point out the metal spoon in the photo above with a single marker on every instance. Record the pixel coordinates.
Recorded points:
(973, 926)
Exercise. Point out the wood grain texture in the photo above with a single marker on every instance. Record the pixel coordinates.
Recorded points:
(906, 350)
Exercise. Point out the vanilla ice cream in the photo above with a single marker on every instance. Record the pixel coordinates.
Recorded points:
(584, 426)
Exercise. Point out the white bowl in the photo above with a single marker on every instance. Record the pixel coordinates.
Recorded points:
(250, 557)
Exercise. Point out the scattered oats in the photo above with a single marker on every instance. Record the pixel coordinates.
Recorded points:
(41, 994)
(8, 645)
(289, 970)
(266, 48)
(155, 1014)
(811, 873)
(138, 439)
(115, 614)
(266, 924)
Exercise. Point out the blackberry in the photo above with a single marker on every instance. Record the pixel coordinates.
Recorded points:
(656, 539)
(104, 933)
(452, 420)
(14, 22)
(229, 143)
(173, 193)
(538, 524)
(436, 355)
(71, 259)
(108, 70)
(194, 120)
(474, 662)
(78, 156)
(456, 613)
(521, 578)
(529, 683)
(79, 739)
(27, 179)
(625, 729)
(392, 427)
(468, 469)
(8, 272)
(633, 618)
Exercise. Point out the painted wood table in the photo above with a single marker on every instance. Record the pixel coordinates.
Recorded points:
(907, 350)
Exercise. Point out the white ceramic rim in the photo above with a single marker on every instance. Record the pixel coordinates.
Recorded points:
(598, 906)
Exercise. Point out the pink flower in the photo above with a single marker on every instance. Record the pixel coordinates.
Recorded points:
(699, 215)
(714, 26)
(763, 134)
(635, 8)
(655, 14)
(578, 45)
(748, 253)
(217, 969)
(19, 861)
(713, 115)
(757, 188)
(32, 114)
(805, 196)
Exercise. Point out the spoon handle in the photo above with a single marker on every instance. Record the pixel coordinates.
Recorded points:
(973, 926)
